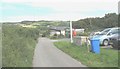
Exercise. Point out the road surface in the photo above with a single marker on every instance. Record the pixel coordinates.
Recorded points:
(47, 55)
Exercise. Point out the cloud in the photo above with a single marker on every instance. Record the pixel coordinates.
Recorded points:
(55, 16)
(79, 6)
(60, 9)
(57, 1)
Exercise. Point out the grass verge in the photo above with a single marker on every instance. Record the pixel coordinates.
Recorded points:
(106, 58)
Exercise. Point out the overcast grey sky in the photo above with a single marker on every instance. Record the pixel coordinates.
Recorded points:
(19, 10)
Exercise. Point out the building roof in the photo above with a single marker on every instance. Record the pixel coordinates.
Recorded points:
(58, 28)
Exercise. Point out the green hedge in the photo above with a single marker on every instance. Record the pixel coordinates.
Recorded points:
(18, 45)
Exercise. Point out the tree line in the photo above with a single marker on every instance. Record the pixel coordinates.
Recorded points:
(109, 20)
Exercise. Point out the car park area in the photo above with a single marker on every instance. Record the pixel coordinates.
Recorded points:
(109, 36)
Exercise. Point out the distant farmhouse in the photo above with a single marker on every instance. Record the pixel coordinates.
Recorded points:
(80, 30)
(57, 30)
(63, 30)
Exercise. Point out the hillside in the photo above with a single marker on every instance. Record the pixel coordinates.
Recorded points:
(93, 23)
(109, 20)
(89, 24)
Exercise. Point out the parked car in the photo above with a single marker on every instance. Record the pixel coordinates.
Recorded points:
(115, 41)
(93, 34)
(106, 34)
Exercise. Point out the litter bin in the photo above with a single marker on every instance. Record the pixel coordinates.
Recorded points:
(67, 34)
(95, 45)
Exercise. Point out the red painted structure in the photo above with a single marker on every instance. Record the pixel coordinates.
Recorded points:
(74, 33)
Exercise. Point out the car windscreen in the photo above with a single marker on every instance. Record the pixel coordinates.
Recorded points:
(104, 32)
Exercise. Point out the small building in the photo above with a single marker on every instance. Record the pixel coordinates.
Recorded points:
(80, 30)
(57, 30)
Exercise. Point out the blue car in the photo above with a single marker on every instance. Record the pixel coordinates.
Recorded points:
(106, 34)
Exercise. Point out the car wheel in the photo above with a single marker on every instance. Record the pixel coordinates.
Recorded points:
(115, 45)
(105, 42)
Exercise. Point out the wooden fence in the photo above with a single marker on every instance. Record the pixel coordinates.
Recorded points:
(79, 40)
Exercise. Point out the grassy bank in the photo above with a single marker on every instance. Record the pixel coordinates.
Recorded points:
(106, 58)
(0, 45)
(18, 45)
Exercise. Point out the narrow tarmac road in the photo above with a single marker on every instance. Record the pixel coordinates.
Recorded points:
(47, 55)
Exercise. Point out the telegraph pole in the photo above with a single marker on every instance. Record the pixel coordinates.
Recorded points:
(91, 25)
(71, 36)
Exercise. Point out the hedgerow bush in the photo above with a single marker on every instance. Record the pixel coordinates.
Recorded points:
(18, 45)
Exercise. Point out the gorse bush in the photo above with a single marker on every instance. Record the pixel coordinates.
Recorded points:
(18, 45)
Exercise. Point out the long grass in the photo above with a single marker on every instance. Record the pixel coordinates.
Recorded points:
(0, 45)
(106, 58)
(18, 46)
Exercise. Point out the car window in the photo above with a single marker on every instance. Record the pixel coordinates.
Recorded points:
(119, 31)
(104, 32)
(115, 31)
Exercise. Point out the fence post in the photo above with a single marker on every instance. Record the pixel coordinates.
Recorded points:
(87, 42)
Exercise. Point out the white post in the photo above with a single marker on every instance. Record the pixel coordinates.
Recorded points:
(71, 32)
